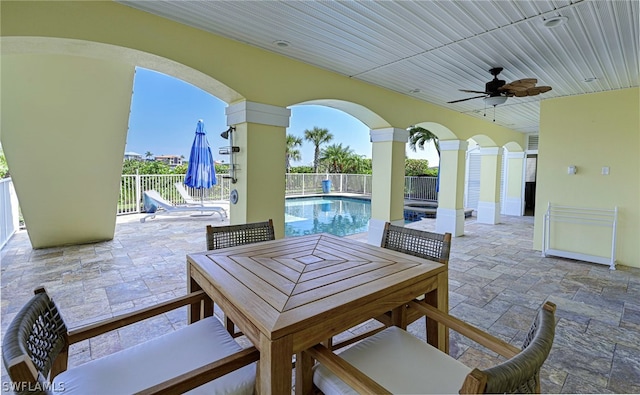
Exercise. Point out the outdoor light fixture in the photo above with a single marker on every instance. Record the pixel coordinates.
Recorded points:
(225, 134)
(230, 150)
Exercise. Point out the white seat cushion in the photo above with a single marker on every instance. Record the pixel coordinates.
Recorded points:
(400, 362)
(150, 363)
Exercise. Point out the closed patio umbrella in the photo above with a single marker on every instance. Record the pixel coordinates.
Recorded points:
(201, 172)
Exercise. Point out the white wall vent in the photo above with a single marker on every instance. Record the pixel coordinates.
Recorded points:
(532, 143)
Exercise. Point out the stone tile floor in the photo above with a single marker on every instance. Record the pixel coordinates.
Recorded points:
(496, 282)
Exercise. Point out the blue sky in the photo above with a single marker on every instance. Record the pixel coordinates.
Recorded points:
(165, 111)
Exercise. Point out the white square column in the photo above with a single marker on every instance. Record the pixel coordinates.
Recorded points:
(489, 203)
(514, 184)
(387, 183)
(450, 213)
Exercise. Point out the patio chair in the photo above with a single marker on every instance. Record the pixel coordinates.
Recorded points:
(236, 235)
(200, 356)
(394, 361)
(188, 199)
(165, 207)
(427, 245)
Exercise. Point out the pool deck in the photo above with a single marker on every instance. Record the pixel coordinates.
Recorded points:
(496, 281)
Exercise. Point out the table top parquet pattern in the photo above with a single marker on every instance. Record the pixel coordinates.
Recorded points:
(290, 278)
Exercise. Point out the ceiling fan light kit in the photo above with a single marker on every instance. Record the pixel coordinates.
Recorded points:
(495, 100)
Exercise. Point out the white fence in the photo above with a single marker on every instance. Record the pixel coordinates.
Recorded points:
(9, 210)
(132, 187)
(306, 184)
(421, 188)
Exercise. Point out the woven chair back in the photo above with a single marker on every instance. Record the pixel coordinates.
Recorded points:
(235, 235)
(423, 244)
(36, 335)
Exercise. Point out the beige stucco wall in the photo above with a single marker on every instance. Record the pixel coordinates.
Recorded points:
(590, 132)
(64, 125)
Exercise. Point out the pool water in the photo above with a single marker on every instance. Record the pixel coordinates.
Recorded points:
(340, 216)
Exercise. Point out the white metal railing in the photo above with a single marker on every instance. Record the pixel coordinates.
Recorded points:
(421, 188)
(133, 186)
(311, 183)
(9, 211)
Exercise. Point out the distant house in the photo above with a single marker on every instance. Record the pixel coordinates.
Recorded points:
(171, 160)
(132, 156)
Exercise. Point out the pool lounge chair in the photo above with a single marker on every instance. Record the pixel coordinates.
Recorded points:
(188, 199)
(165, 207)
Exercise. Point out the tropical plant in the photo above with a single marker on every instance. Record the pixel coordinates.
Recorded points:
(416, 167)
(336, 158)
(147, 167)
(4, 169)
(419, 136)
(148, 155)
(292, 153)
(317, 136)
(301, 169)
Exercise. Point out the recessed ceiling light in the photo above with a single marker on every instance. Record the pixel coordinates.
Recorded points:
(281, 43)
(590, 79)
(416, 90)
(554, 21)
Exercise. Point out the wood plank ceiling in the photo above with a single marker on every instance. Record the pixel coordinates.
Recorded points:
(431, 49)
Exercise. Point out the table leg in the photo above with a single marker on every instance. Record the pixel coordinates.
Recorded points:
(304, 374)
(275, 365)
(399, 317)
(197, 311)
(438, 334)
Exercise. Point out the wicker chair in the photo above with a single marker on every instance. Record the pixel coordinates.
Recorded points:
(423, 244)
(201, 355)
(421, 368)
(432, 246)
(235, 235)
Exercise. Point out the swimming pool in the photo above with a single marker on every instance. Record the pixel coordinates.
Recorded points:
(337, 215)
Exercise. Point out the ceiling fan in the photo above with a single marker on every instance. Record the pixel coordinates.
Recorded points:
(497, 91)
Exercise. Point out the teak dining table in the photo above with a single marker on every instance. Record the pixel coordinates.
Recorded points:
(290, 294)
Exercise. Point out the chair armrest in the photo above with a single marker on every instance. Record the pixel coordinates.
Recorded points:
(346, 372)
(100, 327)
(491, 342)
(195, 378)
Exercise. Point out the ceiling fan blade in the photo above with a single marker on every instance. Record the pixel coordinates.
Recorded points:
(522, 84)
(468, 91)
(536, 90)
(468, 98)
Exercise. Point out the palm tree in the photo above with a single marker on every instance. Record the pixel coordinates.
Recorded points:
(419, 136)
(317, 136)
(148, 155)
(291, 152)
(337, 158)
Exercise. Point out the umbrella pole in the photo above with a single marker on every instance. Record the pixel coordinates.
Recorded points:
(202, 213)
